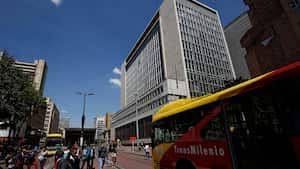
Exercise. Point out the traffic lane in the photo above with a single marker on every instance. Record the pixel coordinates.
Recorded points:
(133, 161)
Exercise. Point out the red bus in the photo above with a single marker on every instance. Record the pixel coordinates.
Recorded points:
(252, 125)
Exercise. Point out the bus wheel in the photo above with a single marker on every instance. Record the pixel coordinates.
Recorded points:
(184, 164)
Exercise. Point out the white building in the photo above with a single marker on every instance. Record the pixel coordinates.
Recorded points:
(100, 127)
(51, 123)
(182, 53)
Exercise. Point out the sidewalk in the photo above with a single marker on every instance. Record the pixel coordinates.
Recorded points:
(128, 149)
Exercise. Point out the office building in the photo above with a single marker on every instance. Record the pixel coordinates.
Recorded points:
(100, 128)
(234, 31)
(37, 72)
(182, 53)
(274, 38)
(107, 134)
(108, 120)
(51, 123)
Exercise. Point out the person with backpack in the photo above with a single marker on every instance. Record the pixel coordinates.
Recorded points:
(86, 157)
(114, 155)
(102, 154)
(42, 157)
(92, 157)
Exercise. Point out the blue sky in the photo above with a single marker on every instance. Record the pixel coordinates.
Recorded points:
(83, 41)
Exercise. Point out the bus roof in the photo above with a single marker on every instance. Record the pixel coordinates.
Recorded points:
(54, 135)
(249, 85)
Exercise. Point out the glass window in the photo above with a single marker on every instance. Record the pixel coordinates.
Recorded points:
(172, 128)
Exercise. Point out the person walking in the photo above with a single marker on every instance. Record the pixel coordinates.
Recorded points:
(147, 151)
(86, 157)
(76, 158)
(92, 156)
(114, 155)
(42, 157)
(102, 154)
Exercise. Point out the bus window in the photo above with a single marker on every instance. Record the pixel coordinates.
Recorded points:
(214, 130)
(258, 136)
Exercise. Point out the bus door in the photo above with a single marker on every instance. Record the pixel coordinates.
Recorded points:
(263, 124)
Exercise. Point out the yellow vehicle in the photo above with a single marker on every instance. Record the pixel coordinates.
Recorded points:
(54, 142)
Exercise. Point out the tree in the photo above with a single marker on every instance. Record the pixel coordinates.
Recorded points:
(18, 98)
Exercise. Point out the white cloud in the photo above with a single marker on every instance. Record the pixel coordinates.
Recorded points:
(117, 71)
(64, 111)
(56, 2)
(116, 82)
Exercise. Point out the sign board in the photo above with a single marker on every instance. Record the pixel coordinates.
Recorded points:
(133, 138)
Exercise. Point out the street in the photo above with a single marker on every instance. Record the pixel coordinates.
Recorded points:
(133, 161)
(125, 160)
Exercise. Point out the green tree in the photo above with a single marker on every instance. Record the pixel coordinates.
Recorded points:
(18, 98)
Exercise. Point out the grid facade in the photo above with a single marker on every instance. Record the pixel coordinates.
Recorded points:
(206, 58)
(51, 122)
(145, 71)
(100, 126)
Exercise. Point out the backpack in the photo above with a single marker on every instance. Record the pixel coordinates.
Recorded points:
(64, 164)
(102, 152)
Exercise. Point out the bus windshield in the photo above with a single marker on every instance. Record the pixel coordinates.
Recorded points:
(54, 143)
(170, 129)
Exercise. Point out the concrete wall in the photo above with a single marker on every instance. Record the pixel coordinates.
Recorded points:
(234, 32)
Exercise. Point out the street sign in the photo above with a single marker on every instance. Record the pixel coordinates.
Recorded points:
(133, 138)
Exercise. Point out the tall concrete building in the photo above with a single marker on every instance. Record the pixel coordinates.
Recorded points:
(182, 53)
(108, 116)
(37, 71)
(100, 127)
(51, 123)
(274, 38)
(234, 32)
(108, 120)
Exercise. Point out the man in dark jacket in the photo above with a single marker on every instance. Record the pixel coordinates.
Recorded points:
(102, 154)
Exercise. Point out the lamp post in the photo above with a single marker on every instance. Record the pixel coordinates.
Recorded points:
(83, 115)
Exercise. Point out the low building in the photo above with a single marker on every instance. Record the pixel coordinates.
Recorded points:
(73, 136)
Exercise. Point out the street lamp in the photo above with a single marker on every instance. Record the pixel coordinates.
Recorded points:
(83, 115)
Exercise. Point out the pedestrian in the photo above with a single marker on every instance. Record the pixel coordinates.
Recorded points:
(59, 155)
(147, 151)
(141, 145)
(29, 158)
(102, 154)
(19, 159)
(10, 161)
(86, 157)
(92, 157)
(42, 157)
(76, 157)
(114, 155)
(65, 163)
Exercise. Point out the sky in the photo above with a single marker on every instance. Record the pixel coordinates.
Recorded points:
(84, 43)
